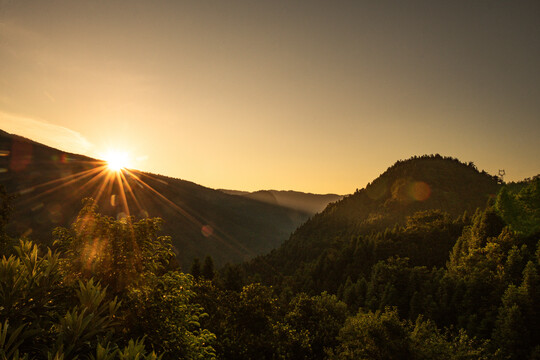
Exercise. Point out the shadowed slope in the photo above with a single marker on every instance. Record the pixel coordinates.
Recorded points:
(50, 185)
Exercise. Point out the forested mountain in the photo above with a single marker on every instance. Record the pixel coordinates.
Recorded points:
(419, 184)
(432, 247)
(306, 202)
(50, 184)
(412, 274)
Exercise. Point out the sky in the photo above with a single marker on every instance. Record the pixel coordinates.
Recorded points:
(315, 96)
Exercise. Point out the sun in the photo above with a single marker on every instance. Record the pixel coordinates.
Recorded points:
(117, 160)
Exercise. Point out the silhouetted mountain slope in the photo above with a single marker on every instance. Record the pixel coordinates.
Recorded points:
(306, 202)
(51, 184)
(407, 187)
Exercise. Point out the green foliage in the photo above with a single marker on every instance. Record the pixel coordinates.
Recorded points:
(116, 252)
(134, 350)
(426, 220)
(54, 305)
(320, 318)
(412, 290)
(161, 309)
(383, 335)
(489, 289)
(6, 210)
(232, 278)
(379, 335)
(9, 346)
(44, 318)
(196, 269)
(484, 264)
(424, 285)
(93, 318)
(208, 268)
(249, 325)
(428, 342)
(517, 327)
(29, 286)
(354, 294)
(521, 210)
(425, 240)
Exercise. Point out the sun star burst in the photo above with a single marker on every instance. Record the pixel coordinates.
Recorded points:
(117, 160)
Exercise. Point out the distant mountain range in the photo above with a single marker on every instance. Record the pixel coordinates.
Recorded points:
(50, 185)
(305, 202)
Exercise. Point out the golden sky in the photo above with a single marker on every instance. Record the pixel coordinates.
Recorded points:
(318, 96)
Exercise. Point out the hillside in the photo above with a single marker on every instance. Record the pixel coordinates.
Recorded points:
(419, 184)
(50, 185)
(306, 202)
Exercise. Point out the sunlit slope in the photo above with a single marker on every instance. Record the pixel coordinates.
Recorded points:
(50, 185)
(424, 183)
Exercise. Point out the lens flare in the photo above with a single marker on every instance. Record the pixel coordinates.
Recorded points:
(207, 230)
(420, 191)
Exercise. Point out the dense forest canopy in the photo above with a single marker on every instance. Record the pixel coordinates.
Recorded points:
(397, 275)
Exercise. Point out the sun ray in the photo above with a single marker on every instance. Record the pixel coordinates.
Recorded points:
(130, 190)
(106, 182)
(79, 174)
(106, 178)
(230, 242)
(103, 175)
(71, 181)
(122, 192)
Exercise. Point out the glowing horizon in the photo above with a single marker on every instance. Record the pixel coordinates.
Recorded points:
(278, 95)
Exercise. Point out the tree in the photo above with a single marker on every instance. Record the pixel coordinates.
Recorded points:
(379, 335)
(429, 343)
(382, 335)
(521, 211)
(6, 210)
(208, 268)
(115, 252)
(162, 309)
(196, 269)
(511, 333)
(321, 317)
(43, 317)
(6, 207)
(232, 278)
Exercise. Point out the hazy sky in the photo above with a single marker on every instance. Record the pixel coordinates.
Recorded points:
(304, 95)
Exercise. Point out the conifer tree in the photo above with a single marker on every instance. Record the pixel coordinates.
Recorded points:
(208, 268)
(196, 268)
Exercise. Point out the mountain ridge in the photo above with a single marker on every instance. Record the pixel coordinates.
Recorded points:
(51, 184)
(426, 183)
(302, 201)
